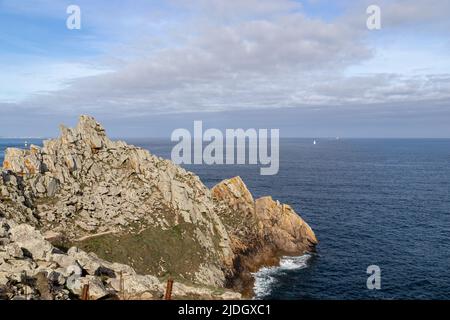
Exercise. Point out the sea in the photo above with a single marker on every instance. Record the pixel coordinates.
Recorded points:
(382, 202)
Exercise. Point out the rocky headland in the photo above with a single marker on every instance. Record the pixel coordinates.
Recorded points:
(86, 209)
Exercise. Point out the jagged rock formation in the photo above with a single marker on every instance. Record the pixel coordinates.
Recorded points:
(129, 206)
(83, 183)
(261, 231)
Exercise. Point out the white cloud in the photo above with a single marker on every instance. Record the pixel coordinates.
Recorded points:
(253, 63)
(250, 54)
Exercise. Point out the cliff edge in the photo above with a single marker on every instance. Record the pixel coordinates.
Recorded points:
(261, 230)
(123, 204)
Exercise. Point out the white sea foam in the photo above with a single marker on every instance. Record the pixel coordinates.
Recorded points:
(265, 278)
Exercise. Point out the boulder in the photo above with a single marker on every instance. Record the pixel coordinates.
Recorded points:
(87, 261)
(56, 278)
(134, 286)
(22, 161)
(43, 285)
(28, 238)
(13, 250)
(96, 288)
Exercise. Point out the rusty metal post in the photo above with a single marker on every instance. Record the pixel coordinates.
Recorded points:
(85, 292)
(168, 295)
(25, 288)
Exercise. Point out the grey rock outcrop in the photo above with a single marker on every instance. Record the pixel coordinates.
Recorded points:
(50, 274)
(83, 184)
(111, 201)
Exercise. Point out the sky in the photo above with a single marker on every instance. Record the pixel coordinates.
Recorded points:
(310, 68)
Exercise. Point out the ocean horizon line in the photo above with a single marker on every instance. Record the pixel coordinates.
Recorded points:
(281, 137)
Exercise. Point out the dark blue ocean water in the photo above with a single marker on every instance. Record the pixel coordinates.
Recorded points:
(382, 202)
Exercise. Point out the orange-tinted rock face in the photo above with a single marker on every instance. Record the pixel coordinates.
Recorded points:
(261, 231)
(270, 219)
(236, 195)
(6, 165)
(288, 231)
(237, 211)
(22, 161)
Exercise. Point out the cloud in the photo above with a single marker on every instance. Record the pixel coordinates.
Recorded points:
(249, 64)
(239, 9)
(417, 12)
(232, 56)
(405, 15)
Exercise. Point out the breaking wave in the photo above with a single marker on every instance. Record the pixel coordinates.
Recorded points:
(266, 278)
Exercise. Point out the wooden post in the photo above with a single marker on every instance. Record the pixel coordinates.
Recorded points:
(85, 292)
(122, 286)
(168, 295)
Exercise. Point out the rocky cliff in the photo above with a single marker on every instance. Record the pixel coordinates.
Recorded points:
(128, 206)
(261, 231)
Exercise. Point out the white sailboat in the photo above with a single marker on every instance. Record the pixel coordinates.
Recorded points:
(315, 142)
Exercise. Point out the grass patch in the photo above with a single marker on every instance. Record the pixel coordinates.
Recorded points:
(173, 252)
